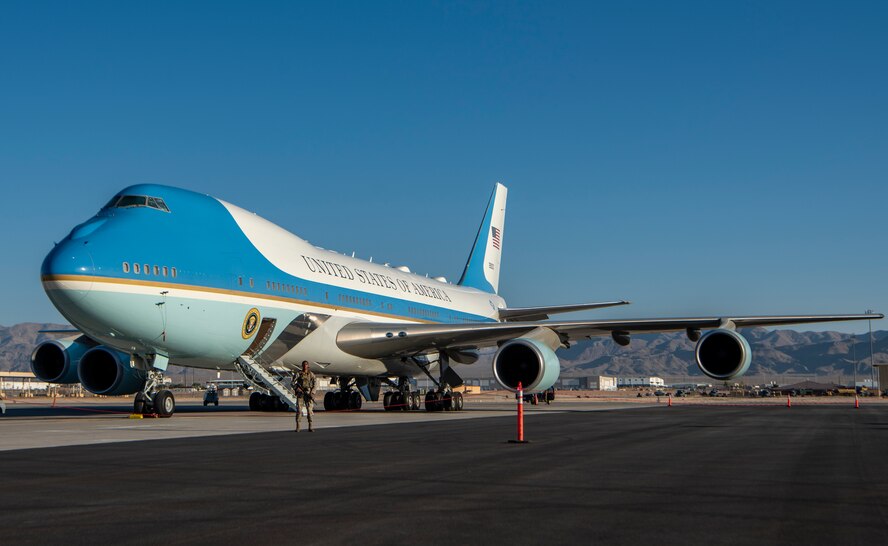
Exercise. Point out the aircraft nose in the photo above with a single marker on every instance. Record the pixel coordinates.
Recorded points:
(67, 271)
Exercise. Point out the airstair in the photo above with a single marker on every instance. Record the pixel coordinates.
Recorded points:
(261, 377)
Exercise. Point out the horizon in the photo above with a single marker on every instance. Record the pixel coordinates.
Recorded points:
(694, 159)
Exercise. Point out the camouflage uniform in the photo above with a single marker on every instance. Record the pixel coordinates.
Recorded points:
(304, 384)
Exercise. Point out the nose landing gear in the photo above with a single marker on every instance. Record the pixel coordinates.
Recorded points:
(150, 402)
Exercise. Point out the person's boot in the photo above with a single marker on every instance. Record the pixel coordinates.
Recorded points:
(310, 429)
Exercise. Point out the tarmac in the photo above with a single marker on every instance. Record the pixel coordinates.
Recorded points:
(681, 474)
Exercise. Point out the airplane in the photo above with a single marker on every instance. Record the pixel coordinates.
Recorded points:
(163, 275)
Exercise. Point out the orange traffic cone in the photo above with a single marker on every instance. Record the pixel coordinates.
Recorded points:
(856, 402)
(669, 405)
(788, 400)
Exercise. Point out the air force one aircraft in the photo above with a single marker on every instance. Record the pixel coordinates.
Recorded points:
(163, 275)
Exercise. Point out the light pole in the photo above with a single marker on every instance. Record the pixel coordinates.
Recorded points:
(854, 359)
(872, 353)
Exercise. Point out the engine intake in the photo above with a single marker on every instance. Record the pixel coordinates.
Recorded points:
(105, 371)
(528, 362)
(56, 361)
(723, 354)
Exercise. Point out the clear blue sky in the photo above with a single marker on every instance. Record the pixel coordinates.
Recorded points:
(694, 157)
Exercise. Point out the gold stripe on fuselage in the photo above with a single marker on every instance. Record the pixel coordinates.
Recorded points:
(195, 288)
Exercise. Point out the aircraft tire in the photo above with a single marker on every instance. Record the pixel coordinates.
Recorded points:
(431, 401)
(164, 404)
(457, 401)
(387, 401)
(355, 401)
(254, 401)
(328, 401)
(140, 404)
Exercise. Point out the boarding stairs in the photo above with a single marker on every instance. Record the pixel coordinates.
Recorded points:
(257, 374)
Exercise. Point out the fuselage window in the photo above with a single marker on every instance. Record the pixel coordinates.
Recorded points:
(126, 267)
(147, 269)
(156, 270)
(165, 271)
(268, 285)
(251, 283)
(136, 269)
(174, 272)
(240, 281)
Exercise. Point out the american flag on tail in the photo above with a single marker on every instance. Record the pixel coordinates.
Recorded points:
(495, 235)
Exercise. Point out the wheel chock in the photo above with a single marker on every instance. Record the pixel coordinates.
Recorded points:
(136, 416)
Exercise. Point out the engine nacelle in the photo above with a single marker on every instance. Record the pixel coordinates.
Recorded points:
(527, 361)
(723, 354)
(105, 371)
(56, 361)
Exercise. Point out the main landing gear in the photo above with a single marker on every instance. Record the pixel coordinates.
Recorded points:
(344, 399)
(401, 401)
(160, 403)
(444, 400)
(267, 402)
(441, 398)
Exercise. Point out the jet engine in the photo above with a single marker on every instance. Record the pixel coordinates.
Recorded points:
(56, 361)
(105, 371)
(723, 354)
(528, 362)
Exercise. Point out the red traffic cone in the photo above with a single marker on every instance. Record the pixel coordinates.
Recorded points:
(856, 402)
(788, 401)
(669, 405)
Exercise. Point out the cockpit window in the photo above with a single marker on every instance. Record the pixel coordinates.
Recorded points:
(130, 201)
(157, 203)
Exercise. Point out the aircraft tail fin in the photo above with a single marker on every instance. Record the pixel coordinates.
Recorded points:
(482, 269)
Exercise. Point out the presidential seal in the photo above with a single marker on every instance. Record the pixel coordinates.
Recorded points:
(251, 323)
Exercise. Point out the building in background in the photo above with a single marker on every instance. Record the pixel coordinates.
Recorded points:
(640, 382)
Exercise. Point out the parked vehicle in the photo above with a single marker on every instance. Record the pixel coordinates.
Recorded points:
(211, 396)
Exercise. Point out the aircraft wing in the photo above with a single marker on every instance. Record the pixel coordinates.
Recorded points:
(542, 313)
(386, 340)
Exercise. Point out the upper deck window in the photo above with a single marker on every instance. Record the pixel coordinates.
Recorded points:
(131, 201)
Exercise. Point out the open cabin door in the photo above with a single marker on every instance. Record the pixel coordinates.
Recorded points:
(262, 337)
